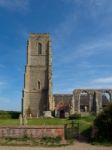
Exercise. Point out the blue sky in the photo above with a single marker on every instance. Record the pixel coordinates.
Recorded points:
(81, 33)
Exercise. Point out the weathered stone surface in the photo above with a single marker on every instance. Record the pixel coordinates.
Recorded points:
(47, 114)
(37, 93)
(93, 102)
(63, 104)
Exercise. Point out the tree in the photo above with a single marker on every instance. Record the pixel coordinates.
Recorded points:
(103, 122)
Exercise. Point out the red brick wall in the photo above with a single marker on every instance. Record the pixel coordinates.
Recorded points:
(34, 131)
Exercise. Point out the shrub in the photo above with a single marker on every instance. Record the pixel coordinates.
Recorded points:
(4, 115)
(9, 114)
(51, 140)
(75, 116)
(14, 114)
(103, 122)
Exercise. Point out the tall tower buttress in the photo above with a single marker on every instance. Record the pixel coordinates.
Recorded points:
(37, 93)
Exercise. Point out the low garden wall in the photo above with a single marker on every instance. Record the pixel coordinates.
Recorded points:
(32, 131)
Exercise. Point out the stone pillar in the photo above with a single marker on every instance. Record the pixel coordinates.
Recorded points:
(78, 101)
(73, 105)
(76, 96)
(98, 101)
(110, 94)
(21, 119)
(90, 102)
(25, 121)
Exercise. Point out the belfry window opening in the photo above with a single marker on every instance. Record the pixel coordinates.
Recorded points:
(38, 84)
(39, 48)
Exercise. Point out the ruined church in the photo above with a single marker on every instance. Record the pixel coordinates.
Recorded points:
(37, 93)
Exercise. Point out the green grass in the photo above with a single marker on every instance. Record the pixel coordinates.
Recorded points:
(35, 121)
(84, 122)
(9, 122)
(47, 121)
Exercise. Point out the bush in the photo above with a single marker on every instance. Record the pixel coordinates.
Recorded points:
(103, 122)
(9, 114)
(4, 115)
(14, 114)
(75, 116)
(51, 141)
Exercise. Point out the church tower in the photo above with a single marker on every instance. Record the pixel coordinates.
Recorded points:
(37, 93)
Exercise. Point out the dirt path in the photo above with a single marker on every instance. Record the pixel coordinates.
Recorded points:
(76, 146)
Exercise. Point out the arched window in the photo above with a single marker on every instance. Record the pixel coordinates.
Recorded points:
(38, 84)
(84, 101)
(39, 48)
(106, 98)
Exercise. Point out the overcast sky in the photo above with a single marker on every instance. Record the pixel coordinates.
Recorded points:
(81, 33)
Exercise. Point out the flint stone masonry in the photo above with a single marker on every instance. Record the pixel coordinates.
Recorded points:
(37, 93)
(62, 103)
(34, 131)
(93, 101)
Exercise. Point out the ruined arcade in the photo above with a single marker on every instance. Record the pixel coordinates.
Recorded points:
(90, 100)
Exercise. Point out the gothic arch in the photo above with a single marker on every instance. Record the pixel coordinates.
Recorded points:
(106, 97)
(84, 100)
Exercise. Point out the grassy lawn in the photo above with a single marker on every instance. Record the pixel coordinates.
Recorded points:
(9, 122)
(47, 121)
(86, 122)
(35, 121)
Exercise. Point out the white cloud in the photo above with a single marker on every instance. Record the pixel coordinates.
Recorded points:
(98, 13)
(69, 25)
(88, 49)
(64, 91)
(93, 86)
(90, 3)
(103, 80)
(97, 9)
(2, 83)
(64, 29)
(15, 5)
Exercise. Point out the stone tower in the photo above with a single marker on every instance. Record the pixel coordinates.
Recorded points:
(37, 93)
